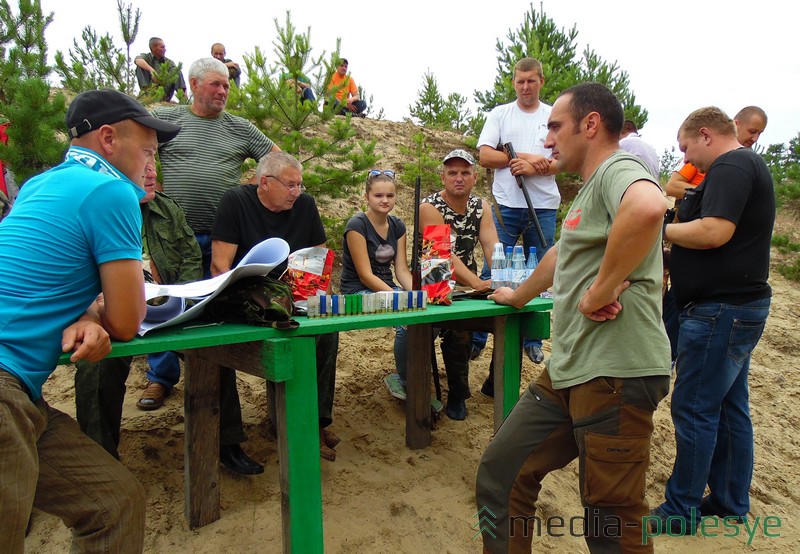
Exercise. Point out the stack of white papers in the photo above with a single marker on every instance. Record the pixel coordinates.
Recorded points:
(260, 260)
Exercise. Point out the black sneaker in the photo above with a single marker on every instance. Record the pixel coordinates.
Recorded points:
(708, 508)
(660, 523)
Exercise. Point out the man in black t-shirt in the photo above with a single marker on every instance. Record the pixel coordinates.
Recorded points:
(276, 206)
(719, 267)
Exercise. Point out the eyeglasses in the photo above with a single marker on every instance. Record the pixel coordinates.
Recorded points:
(388, 172)
(291, 188)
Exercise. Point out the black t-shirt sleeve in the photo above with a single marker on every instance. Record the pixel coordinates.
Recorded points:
(357, 224)
(225, 227)
(727, 193)
(400, 227)
(317, 233)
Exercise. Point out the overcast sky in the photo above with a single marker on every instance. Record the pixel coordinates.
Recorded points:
(680, 55)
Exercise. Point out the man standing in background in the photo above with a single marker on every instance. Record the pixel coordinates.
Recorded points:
(719, 266)
(523, 123)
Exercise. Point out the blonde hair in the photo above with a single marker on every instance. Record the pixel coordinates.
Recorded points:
(709, 117)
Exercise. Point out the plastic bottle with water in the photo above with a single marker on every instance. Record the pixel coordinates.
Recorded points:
(519, 273)
(498, 267)
(508, 272)
(532, 262)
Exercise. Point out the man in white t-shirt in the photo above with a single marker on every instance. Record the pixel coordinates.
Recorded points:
(523, 123)
(631, 141)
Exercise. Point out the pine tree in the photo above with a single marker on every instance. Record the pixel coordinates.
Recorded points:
(96, 64)
(432, 110)
(334, 161)
(424, 165)
(37, 118)
(538, 37)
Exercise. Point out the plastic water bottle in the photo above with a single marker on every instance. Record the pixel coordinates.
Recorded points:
(508, 272)
(530, 266)
(518, 264)
(498, 266)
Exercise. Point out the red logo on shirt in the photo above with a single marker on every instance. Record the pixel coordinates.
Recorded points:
(572, 220)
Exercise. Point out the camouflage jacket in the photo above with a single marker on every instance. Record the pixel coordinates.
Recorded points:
(170, 241)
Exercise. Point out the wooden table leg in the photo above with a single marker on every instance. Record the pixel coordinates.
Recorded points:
(201, 440)
(298, 448)
(418, 386)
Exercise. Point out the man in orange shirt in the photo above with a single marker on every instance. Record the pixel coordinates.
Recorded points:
(343, 92)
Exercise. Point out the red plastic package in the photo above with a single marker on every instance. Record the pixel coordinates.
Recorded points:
(435, 264)
(308, 271)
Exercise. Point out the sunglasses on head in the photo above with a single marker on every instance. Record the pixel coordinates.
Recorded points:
(387, 172)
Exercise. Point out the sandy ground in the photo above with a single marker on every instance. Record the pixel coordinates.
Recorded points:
(379, 496)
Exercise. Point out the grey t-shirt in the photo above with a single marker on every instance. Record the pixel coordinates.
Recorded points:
(205, 159)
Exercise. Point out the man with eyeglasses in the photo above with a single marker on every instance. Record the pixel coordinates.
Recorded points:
(276, 206)
(344, 93)
(196, 173)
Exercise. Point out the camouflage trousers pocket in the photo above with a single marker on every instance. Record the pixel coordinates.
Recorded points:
(614, 469)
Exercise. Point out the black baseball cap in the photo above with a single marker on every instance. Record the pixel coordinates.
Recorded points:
(92, 109)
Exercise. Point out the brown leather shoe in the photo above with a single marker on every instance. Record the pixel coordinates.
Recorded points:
(325, 451)
(153, 396)
(329, 438)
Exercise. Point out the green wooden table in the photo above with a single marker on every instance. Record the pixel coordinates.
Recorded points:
(288, 359)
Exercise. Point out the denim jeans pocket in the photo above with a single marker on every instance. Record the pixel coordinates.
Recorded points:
(615, 467)
(744, 338)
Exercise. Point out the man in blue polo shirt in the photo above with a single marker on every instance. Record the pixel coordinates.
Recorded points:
(75, 234)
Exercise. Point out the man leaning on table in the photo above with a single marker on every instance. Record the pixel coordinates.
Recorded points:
(75, 232)
(171, 255)
(610, 361)
(277, 206)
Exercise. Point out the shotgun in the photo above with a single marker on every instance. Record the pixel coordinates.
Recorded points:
(509, 148)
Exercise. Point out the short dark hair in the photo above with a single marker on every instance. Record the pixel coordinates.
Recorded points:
(629, 126)
(594, 97)
(152, 42)
(749, 111)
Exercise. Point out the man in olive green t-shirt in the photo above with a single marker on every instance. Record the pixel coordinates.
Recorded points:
(609, 366)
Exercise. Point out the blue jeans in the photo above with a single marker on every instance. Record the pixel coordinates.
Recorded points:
(204, 240)
(455, 346)
(710, 407)
(669, 316)
(517, 223)
(400, 355)
(165, 368)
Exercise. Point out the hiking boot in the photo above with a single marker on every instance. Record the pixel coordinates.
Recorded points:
(153, 396)
(534, 353)
(456, 409)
